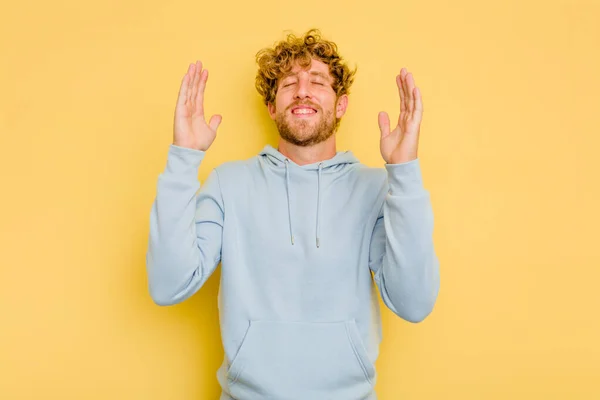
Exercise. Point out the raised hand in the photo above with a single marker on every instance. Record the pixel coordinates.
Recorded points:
(401, 144)
(190, 128)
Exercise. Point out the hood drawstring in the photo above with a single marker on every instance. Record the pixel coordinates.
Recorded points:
(287, 185)
(272, 158)
(289, 196)
(318, 201)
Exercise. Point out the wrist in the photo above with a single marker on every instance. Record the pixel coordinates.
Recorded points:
(402, 159)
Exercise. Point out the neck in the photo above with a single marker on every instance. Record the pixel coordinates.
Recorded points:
(303, 155)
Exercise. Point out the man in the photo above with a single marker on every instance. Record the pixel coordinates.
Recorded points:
(298, 231)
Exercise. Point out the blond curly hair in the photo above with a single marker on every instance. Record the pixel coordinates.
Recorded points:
(275, 62)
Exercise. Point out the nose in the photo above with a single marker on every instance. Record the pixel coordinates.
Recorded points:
(303, 89)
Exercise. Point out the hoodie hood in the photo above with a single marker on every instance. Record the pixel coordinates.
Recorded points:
(338, 162)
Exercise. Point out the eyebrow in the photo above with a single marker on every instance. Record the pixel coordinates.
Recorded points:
(322, 75)
(317, 73)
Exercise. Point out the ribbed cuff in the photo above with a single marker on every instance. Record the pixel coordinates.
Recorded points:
(405, 178)
(183, 159)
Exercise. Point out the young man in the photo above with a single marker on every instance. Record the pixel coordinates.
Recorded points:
(298, 231)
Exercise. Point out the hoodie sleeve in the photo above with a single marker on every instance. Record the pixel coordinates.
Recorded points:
(402, 255)
(186, 224)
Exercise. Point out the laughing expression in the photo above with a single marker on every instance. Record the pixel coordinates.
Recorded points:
(306, 106)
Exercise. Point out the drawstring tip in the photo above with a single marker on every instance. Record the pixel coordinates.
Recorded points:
(292, 240)
(318, 242)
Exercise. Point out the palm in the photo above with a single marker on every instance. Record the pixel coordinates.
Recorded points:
(401, 144)
(190, 128)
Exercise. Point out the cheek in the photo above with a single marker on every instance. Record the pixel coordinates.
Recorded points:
(282, 102)
(328, 103)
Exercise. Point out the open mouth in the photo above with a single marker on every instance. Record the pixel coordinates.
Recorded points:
(303, 111)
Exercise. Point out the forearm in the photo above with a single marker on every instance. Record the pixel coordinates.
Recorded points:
(409, 274)
(181, 250)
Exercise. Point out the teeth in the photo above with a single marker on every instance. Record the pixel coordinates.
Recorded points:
(304, 111)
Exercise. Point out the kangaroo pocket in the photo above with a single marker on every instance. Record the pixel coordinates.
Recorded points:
(301, 360)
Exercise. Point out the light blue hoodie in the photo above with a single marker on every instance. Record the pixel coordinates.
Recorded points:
(302, 250)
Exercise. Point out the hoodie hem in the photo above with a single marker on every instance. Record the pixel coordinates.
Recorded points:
(225, 396)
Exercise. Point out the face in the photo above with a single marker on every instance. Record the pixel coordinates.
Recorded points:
(306, 106)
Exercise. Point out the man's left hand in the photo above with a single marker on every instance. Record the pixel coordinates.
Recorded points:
(401, 144)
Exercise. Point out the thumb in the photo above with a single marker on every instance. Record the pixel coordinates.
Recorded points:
(384, 124)
(214, 122)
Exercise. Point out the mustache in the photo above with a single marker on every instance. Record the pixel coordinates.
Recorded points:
(304, 103)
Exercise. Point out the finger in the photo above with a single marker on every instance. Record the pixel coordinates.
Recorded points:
(418, 113)
(384, 124)
(215, 121)
(198, 71)
(183, 90)
(200, 94)
(192, 74)
(410, 86)
(403, 74)
(401, 93)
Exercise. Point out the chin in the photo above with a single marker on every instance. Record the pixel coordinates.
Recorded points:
(304, 133)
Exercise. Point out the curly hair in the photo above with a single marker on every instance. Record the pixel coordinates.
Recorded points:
(273, 63)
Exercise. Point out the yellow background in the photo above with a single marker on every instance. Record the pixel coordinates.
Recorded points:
(509, 151)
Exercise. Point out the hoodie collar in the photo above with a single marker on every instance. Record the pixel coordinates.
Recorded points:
(275, 158)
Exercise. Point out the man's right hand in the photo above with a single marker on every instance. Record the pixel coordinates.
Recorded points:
(189, 128)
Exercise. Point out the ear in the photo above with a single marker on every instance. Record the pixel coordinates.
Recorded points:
(341, 106)
(272, 110)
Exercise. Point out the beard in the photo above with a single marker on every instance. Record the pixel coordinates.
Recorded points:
(302, 132)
